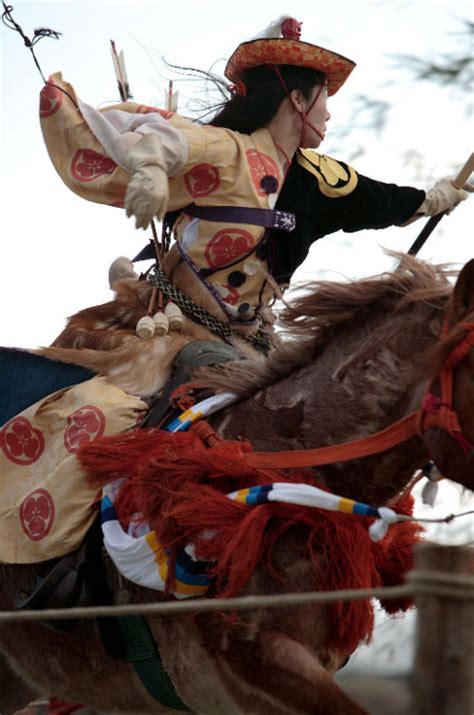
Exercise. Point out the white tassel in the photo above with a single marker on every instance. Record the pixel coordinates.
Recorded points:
(379, 528)
(429, 493)
(145, 327)
(174, 315)
(161, 323)
(435, 474)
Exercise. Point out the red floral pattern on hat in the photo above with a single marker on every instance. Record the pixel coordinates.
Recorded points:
(261, 165)
(83, 425)
(88, 165)
(227, 245)
(202, 180)
(282, 51)
(37, 513)
(51, 99)
(21, 442)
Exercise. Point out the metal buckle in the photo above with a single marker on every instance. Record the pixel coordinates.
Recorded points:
(285, 221)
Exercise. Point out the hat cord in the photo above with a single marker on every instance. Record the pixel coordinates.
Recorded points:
(303, 115)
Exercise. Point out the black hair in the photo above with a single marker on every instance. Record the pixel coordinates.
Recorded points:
(264, 93)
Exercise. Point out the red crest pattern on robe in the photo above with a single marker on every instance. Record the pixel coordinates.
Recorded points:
(202, 180)
(21, 442)
(37, 514)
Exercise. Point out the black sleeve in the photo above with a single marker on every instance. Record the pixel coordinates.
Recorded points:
(350, 203)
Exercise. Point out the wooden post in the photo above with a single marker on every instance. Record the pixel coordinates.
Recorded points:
(443, 675)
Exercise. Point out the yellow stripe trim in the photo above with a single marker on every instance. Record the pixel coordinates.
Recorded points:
(241, 496)
(160, 556)
(161, 561)
(346, 505)
(189, 588)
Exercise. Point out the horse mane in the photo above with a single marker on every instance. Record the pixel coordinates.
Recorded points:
(322, 309)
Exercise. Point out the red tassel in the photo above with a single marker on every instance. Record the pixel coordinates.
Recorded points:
(179, 487)
(291, 29)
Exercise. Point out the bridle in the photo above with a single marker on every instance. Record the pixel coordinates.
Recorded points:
(439, 411)
(434, 412)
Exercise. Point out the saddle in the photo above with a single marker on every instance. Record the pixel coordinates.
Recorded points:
(78, 578)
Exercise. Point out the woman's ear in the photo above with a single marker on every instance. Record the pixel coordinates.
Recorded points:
(298, 100)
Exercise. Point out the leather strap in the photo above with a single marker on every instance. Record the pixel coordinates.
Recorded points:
(373, 444)
(139, 649)
(268, 218)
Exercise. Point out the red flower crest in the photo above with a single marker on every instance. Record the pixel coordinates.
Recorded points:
(202, 180)
(21, 442)
(37, 514)
(83, 425)
(261, 165)
(51, 99)
(227, 245)
(88, 165)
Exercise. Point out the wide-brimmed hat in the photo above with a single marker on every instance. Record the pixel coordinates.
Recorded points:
(288, 49)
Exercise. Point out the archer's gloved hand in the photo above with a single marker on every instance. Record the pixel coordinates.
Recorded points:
(443, 197)
(147, 193)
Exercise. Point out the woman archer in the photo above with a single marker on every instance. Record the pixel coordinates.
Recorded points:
(244, 196)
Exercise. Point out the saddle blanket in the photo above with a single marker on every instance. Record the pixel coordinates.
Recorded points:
(46, 505)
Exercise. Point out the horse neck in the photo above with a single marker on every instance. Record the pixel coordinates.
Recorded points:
(361, 383)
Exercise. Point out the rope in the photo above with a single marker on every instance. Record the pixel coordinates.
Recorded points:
(440, 583)
(419, 583)
(175, 608)
(159, 279)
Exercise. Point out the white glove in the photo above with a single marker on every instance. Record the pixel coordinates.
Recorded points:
(147, 193)
(443, 197)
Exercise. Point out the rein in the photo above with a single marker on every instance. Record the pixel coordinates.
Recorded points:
(434, 412)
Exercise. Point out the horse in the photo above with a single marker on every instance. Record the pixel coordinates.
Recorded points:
(354, 358)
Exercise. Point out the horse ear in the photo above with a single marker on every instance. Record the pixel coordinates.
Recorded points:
(463, 298)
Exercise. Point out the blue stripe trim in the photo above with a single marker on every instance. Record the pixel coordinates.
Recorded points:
(365, 510)
(191, 566)
(256, 498)
(107, 511)
(184, 426)
(184, 576)
(263, 488)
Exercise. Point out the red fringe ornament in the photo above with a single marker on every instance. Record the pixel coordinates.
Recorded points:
(179, 487)
(291, 29)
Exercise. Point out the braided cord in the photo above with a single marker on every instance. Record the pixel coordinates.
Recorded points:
(159, 279)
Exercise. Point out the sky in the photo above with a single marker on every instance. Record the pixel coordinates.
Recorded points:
(56, 248)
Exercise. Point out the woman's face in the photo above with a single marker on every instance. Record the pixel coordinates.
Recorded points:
(316, 118)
